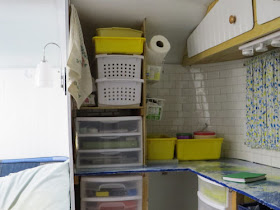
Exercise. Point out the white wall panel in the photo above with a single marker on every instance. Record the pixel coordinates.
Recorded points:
(34, 121)
(267, 10)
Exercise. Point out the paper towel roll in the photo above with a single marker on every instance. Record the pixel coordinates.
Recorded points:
(157, 49)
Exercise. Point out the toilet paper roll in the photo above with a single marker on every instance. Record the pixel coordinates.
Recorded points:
(156, 50)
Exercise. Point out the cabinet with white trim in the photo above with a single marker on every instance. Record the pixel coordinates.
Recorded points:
(225, 21)
(229, 25)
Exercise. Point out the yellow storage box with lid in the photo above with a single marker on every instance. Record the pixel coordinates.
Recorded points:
(161, 147)
(199, 149)
(118, 32)
(118, 45)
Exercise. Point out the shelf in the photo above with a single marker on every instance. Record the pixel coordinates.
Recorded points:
(265, 191)
(111, 107)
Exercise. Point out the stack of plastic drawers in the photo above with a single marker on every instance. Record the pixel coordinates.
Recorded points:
(212, 196)
(118, 53)
(108, 142)
(111, 193)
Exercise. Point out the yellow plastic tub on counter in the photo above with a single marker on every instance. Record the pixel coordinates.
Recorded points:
(118, 45)
(161, 147)
(199, 149)
(118, 32)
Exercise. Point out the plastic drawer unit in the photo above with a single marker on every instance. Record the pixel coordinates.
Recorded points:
(214, 192)
(111, 193)
(206, 204)
(108, 142)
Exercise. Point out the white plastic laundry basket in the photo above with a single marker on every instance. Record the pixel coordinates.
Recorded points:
(118, 92)
(119, 66)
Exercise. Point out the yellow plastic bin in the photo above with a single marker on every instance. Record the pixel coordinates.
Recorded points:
(118, 45)
(161, 147)
(118, 32)
(199, 149)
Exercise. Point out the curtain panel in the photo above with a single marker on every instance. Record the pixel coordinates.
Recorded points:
(262, 101)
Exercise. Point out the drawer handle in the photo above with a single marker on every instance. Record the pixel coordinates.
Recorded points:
(232, 19)
(114, 185)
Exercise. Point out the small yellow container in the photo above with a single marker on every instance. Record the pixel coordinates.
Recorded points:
(199, 149)
(102, 194)
(118, 32)
(118, 45)
(161, 147)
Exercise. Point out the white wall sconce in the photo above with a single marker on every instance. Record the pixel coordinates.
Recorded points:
(44, 75)
(260, 45)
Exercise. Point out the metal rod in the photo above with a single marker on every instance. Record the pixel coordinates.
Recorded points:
(61, 72)
(44, 55)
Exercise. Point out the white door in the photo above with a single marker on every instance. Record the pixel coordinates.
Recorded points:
(216, 28)
(267, 10)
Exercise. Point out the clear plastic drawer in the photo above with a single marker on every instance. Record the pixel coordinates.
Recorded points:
(113, 158)
(213, 191)
(111, 187)
(109, 142)
(88, 126)
(205, 204)
(112, 205)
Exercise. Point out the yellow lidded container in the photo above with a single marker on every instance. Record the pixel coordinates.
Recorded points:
(118, 32)
(161, 147)
(199, 149)
(118, 45)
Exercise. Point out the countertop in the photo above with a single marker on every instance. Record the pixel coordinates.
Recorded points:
(266, 191)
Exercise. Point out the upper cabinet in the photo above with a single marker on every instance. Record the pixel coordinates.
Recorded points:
(228, 25)
(225, 21)
(267, 10)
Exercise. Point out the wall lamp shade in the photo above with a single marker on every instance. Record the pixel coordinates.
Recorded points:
(44, 75)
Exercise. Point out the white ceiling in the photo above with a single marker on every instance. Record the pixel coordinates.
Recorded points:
(174, 19)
